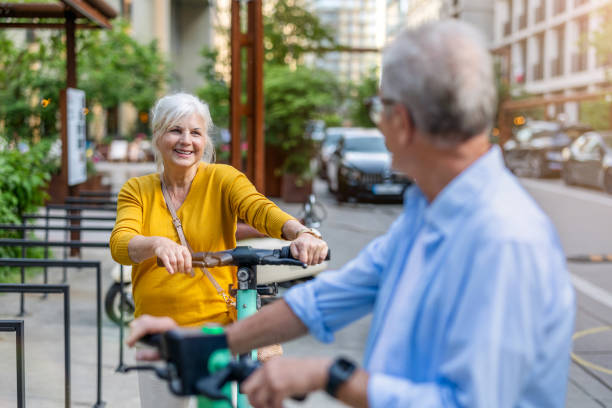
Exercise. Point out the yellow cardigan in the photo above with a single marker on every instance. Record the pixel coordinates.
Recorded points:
(219, 195)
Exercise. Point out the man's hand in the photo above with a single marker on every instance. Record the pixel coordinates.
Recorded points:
(282, 378)
(146, 324)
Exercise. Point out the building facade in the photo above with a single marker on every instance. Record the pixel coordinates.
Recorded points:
(182, 29)
(401, 14)
(358, 25)
(543, 48)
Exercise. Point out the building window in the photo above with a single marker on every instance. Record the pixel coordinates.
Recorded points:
(580, 57)
(540, 12)
(558, 6)
(522, 19)
(538, 67)
(556, 65)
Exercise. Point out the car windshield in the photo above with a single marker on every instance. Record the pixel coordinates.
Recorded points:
(365, 144)
(535, 128)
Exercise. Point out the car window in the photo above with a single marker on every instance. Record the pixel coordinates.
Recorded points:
(607, 139)
(331, 139)
(590, 145)
(365, 144)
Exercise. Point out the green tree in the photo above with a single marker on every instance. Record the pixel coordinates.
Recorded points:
(112, 68)
(215, 90)
(291, 31)
(358, 109)
(293, 97)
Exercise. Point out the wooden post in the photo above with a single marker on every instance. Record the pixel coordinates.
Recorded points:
(253, 110)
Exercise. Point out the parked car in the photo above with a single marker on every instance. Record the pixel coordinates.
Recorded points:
(328, 146)
(535, 148)
(588, 161)
(360, 167)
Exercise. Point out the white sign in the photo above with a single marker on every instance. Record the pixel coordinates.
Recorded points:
(77, 158)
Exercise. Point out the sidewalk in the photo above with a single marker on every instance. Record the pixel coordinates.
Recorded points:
(44, 330)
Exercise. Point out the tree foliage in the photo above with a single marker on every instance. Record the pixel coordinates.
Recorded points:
(291, 30)
(358, 109)
(112, 68)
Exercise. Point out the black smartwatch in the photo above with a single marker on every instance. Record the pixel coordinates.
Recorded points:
(340, 371)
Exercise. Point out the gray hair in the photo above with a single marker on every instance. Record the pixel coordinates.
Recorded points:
(443, 74)
(172, 108)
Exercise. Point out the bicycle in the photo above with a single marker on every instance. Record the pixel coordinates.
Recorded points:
(199, 363)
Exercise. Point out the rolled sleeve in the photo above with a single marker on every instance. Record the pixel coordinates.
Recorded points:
(334, 299)
(302, 300)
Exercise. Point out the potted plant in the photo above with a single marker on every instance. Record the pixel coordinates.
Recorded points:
(293, 97)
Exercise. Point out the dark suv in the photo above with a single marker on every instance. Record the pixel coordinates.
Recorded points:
(360, 167)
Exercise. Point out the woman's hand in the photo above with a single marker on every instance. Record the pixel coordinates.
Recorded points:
(175, 257)
(309, 249)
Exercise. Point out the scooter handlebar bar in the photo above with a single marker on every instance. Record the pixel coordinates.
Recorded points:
(245, 256)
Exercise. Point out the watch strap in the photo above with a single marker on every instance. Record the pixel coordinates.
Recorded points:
(339, 372)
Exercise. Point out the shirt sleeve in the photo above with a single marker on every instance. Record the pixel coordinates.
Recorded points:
(336, 298)
(128, 223)
(253, 207)
(515, 307)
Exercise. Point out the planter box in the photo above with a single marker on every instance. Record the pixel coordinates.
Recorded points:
(292, 193)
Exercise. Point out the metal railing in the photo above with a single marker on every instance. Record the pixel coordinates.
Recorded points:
(17, 327)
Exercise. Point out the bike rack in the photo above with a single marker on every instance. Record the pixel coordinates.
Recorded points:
(17, 327)
(43, 289)
(23, 243)
(31, 288)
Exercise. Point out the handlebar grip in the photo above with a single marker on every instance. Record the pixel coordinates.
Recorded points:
(159, 262)
(285, 252)
(153, 340)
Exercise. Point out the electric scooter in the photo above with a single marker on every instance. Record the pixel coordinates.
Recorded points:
(199, 363)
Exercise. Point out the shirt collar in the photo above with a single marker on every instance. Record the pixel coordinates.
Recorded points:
(459, 195)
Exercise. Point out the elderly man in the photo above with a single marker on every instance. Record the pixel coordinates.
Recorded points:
(471, 300)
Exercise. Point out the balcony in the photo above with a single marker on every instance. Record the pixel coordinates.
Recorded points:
(507, 28)
(579, 62)
(556, 67)
(538, 71)
(540, 13)
(522, 22)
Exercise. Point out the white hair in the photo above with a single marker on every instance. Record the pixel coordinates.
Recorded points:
(443, 74)
(172, 108)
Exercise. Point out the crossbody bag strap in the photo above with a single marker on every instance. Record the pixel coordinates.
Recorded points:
(179, 229)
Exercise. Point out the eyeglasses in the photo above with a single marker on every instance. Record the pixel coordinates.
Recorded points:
(376, 107)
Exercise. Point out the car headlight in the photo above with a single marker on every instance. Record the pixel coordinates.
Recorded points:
(351, 174)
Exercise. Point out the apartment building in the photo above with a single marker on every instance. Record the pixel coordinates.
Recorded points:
(410, 13)
(543, 48)
(357, 24)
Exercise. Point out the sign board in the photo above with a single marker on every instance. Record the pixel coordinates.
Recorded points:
(76, 126)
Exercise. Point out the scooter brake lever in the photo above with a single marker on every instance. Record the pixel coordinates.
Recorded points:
(211, 386)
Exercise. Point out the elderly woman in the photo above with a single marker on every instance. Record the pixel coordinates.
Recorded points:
(207, 199)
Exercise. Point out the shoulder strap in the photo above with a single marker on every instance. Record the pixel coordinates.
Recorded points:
(179, 229)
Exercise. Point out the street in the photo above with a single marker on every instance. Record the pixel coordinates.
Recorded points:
(580, 215)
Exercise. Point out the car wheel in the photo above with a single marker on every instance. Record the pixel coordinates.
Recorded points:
(608, 181)
(536, 165)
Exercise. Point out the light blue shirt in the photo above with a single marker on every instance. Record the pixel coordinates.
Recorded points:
(471, 299)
